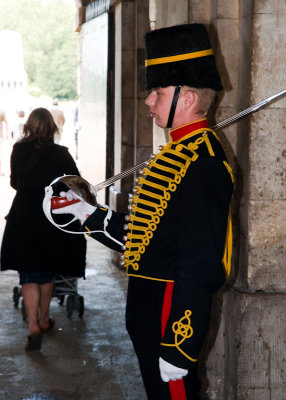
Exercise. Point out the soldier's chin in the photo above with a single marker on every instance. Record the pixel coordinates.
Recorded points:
(159, 123)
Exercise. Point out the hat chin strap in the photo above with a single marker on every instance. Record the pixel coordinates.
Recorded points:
(173, 106)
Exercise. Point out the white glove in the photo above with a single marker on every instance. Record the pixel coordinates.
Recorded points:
(169, 372)
(81, 210)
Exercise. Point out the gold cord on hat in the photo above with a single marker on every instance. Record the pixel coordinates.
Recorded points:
(179, 57)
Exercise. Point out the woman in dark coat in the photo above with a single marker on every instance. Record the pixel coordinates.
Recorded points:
(31, 244)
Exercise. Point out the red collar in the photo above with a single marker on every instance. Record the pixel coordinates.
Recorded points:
(184, 130)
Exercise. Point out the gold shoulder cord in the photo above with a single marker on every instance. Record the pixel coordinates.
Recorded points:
(153, 192)
(226, 259)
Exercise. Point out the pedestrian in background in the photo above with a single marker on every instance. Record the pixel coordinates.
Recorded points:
(18, 128)
(59, 119)
(4, 137)
(31, 245)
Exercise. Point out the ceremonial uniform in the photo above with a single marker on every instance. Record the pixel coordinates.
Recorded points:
(176, 240)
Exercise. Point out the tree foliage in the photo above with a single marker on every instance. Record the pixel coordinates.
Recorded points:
(49, 43)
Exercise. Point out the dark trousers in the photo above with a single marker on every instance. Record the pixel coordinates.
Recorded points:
(143, 322)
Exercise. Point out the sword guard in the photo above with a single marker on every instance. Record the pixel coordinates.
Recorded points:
(60, 202)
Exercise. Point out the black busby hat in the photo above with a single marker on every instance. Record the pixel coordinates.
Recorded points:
(180, 55)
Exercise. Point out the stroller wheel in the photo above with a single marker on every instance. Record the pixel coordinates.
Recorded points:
(61, 299)
(70, 305)
(16, 295)
(80, 306)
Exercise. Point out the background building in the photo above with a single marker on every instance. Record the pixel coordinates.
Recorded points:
(13, 77)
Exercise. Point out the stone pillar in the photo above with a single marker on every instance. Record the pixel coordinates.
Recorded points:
(143, 121)
(132, 127)
(123, 99)
(245, 348)
(261, 302)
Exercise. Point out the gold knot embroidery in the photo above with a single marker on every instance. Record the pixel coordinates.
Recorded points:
(183, 328)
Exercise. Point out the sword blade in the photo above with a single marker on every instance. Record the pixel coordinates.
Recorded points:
(121, 175)
(129, 171)
(249, 110)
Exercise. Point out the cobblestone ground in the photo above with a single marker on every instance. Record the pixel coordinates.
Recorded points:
(82, 358)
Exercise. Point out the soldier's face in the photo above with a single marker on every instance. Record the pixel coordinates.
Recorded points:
(159, 102)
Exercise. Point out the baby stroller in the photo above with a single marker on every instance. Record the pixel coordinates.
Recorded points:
(63, 286)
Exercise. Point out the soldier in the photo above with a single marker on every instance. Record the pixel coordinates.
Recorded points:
(177, 236)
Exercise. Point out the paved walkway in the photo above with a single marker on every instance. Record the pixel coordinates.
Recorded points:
(88, 358)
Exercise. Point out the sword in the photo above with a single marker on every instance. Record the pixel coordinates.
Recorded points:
(256, 107)
(88, 192)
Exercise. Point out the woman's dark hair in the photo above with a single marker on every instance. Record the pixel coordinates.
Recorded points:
(40, 128)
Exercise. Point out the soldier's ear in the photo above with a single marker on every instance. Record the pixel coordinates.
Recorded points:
(190, 99)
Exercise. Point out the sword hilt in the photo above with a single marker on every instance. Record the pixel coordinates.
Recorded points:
(60, 202)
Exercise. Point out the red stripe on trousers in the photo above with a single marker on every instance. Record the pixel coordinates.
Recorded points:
(177, 388)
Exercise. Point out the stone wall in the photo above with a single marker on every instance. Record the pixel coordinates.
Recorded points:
(247, 359)
(261, 300)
